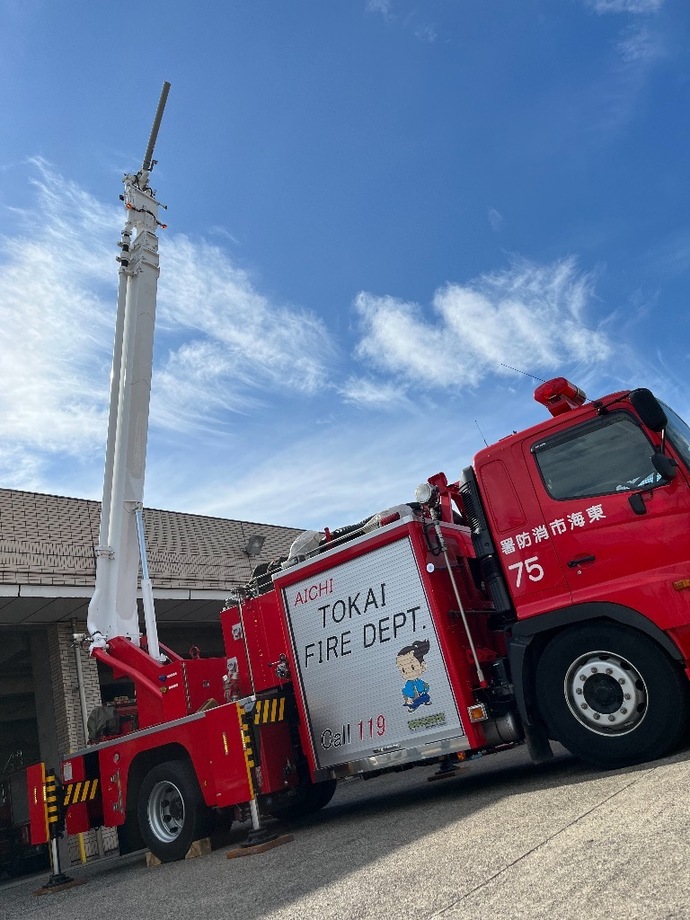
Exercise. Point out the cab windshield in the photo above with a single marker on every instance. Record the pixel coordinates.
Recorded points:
(606, 455)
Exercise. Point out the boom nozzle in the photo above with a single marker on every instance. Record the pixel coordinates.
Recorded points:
(149, 162)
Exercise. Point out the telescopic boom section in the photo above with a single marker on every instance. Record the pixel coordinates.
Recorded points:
(113, 608)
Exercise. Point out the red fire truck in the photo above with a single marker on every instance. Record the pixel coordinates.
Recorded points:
(544, 595)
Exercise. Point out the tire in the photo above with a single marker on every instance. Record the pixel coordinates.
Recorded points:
(319, 795)
(15, 867)
(311, 797)
(171, 811)
(129, 838)
(611, 695)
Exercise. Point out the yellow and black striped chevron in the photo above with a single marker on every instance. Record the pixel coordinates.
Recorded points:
(52, 801)
(247, 743)
(272, 710)
(84, 791)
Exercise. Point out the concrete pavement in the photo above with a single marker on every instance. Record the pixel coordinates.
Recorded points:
(503, 839)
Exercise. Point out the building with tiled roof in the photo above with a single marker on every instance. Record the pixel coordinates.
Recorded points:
(47, 561)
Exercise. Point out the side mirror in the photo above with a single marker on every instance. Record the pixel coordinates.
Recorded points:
(647, 406)
(665, 466)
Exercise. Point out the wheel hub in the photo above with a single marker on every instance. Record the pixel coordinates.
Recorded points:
(166, 811)
(605, 693)
(602, 693)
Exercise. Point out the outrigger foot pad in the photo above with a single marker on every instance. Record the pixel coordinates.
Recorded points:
(447, 768)
(250, 847)
(59, 882)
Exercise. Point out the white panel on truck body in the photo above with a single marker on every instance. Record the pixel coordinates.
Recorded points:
(371, 669)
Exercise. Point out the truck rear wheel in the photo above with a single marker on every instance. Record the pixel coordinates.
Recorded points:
(310, 798)
(611, 695)
(171, 811)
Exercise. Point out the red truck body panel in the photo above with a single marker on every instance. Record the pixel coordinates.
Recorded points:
(358, 628)
(38, 814)
(259, 645)
(212, 740)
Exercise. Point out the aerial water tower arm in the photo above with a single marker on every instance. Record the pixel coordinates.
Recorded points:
(113, 608)
(125, 245)
(149, 162)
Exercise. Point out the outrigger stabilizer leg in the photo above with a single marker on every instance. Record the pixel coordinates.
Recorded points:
(57, 880)
(258, 838)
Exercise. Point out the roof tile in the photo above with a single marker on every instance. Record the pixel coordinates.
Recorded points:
(50, 540)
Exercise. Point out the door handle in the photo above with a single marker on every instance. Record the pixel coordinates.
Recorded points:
(580, 560)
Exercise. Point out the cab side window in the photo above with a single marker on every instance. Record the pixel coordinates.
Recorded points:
(679, 434)
(610, 454)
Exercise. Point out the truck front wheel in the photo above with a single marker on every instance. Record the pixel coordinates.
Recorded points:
(611, 695)
(171, 811)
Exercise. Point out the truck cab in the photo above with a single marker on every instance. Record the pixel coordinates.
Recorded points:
(584, 518)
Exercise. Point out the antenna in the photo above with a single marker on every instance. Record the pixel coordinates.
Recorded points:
(481, 432)
(149, 162)
(541, 379)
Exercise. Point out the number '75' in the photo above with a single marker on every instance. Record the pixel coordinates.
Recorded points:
(534, 571)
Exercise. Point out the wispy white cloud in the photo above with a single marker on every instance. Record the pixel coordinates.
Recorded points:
(332, 477)
(530, 316)
(221, 344)
(20, 468)
(256, 342)
(640, 44)
(625, 6)
(496, 219)
(231, 347)
(670, 256)
(407, 19)
(620, 98)
(612, 102)
(53, 350)
(343, 442)
(374, 394)
(379, 6)
(426, 33)
(588, 114)
(196, 386)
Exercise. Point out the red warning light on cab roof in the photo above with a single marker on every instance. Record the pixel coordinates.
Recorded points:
(559, 395)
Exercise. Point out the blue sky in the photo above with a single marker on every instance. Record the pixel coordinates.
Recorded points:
(373, 206)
